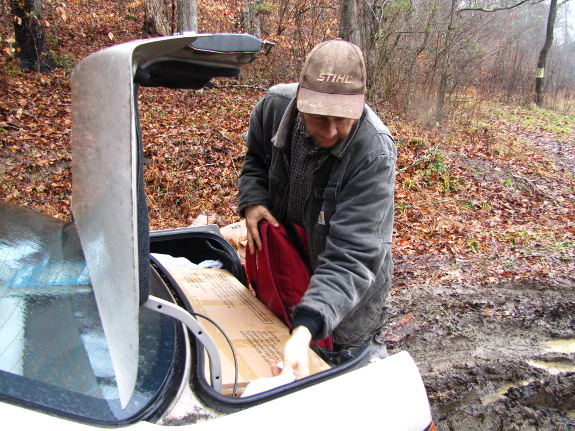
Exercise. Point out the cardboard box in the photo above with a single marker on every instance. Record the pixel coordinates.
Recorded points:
(237, 235)
(256, 333)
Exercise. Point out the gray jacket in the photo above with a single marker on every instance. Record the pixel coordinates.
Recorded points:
(348, 215)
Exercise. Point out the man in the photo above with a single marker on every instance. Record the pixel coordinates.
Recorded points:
(319, 157)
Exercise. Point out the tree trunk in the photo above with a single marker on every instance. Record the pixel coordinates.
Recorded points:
(445, 63)
(358, 25)
(32, 52)
(156, 18)
(370, 28)
(413, 62)
(187, 15)
(540, 75)
(348, 22)
(251, 18)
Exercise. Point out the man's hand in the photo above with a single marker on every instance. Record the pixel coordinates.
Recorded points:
(254, 214)
(296, 354)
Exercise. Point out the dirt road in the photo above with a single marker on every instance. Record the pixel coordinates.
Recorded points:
(496, 353)
(492, 358)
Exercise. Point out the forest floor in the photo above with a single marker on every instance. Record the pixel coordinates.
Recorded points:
(498, 352)
(493, 331)
(484, 242)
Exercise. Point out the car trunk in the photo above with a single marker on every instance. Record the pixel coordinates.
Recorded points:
(112, 241)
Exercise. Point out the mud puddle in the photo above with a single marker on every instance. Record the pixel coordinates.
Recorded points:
(492, 358)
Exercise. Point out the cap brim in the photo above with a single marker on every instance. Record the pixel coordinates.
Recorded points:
(331, 105)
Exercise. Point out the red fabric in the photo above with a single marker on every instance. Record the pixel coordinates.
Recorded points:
(278, 274)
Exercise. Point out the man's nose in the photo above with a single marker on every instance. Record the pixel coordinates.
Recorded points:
(330, 127)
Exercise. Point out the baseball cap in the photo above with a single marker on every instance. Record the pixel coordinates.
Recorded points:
(332, 81)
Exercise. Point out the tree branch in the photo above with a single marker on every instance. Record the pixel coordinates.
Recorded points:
(241, 86)
(435, 202)
(495, 9)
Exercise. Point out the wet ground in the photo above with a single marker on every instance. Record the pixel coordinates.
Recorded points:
(499, 357)
(494, 334)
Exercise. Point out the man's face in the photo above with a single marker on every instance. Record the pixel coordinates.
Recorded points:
(327, 131)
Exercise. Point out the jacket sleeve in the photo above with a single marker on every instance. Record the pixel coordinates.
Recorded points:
(253, 184)
(358, 243)
(253, 181)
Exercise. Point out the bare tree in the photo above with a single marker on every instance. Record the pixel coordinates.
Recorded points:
(156, 20)
(540, 76)
(362, 22)
(445, 62)
(413, 64)
(542, 59)
(187, 15)
(349, 22)
(32, 49)
(251, 18)
(421, 53)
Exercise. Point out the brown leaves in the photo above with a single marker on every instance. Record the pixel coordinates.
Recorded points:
(35, 152)
(194, 154)
(510, 199)
(479, 192)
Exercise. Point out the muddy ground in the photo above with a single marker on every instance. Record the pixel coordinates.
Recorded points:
(495, 354)
(499, 357)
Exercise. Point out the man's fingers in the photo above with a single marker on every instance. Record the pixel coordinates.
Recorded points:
(276, 371)
(250, 243)
(258, 242)
(254, 239)
(271, 219)
(295, 354)
(253, 215)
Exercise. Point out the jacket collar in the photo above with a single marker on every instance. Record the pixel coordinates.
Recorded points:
(280, 138)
